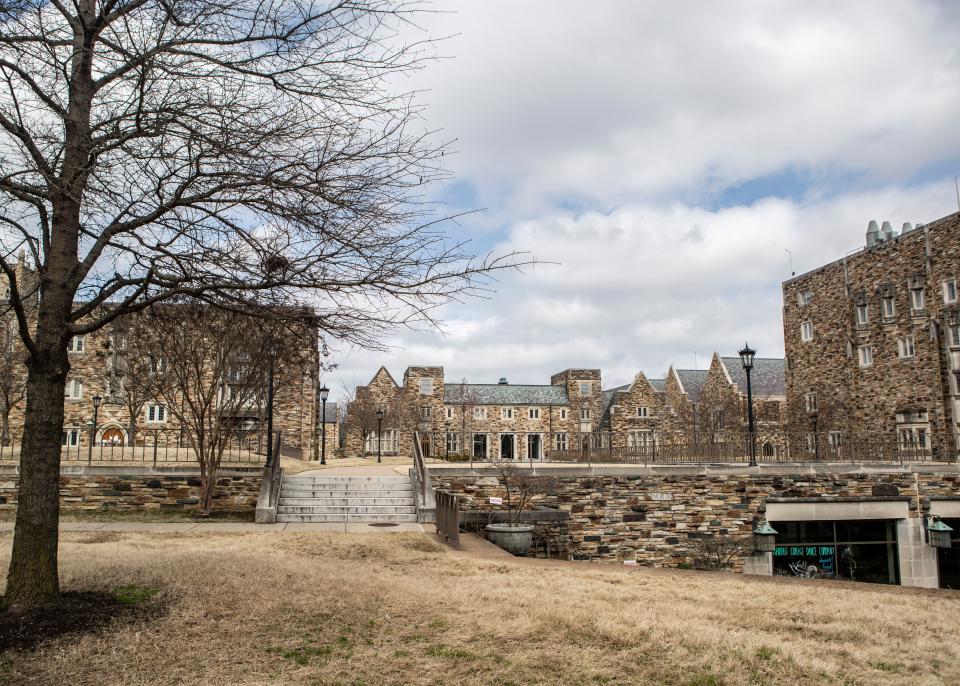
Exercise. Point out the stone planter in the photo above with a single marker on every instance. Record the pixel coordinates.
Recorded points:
(514, 539)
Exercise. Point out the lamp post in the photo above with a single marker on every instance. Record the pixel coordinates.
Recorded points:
(746, 357)
(273, 353)
(379, 432)
(446, 438)
(816, 442)
(93, 429)
(324, 392)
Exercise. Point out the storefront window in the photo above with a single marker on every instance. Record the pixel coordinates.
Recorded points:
(859, 550)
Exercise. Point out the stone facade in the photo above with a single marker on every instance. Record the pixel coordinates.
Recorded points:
(873, 339)
(101, 490)
(660, 514)
(98, 362)
(570, 414)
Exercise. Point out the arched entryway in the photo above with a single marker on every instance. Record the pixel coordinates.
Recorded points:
(113, 435)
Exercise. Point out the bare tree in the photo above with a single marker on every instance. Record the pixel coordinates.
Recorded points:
(13, 376)
(154, 149)
(520, 484)
(130, 372)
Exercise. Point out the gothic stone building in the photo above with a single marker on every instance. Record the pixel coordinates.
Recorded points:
(98, 362)
(571, 413)
(873, 339)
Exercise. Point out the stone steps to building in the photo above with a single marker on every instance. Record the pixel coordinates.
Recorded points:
(346, 499)
(348, 509)
(353, 501)
(342, 518)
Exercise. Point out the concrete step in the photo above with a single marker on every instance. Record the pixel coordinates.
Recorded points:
(350, 485)
(321, 518)
(349, 510)
(335, 495)
(350, 479)
(345, 501)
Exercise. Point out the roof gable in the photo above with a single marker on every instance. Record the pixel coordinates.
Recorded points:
(766, 379)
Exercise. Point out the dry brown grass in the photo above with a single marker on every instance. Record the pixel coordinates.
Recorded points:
(400, 609)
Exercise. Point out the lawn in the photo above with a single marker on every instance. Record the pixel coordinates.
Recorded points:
(266, 608)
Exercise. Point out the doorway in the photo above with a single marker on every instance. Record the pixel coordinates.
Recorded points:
(113, 436)
(480, 446)
(507, 446)
(534, 447)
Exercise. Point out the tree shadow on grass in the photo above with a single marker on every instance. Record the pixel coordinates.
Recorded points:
(79, 612)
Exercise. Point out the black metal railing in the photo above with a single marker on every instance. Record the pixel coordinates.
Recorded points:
(768, 446)
(150, 447)
(448, 516)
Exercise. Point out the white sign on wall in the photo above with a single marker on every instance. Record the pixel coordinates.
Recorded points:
(496, 501)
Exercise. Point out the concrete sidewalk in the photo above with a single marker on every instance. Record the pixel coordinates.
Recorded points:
(234, 527)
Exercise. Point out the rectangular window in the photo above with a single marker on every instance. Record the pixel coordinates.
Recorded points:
(506, 413)
(806, 331)
(70, 438)
(560, 441)
(835, 439)
(865, 355)
(862, 314)
(584, 388)
(156, 414)
(76, 344)
(563, 413)
(426, 386)
(533, 413)
(804, 298)
(585, 413)
(643, 411)
(453, 442)
(954, 335)
(479, 413)
(950, 291)
(449, 411)
(916, 299)
(74, 389)
(810, 400)
(387, 444)
(717, 419)
(426, 412)
(158, 366)
(889, 307)
(905, 347)
(640, 439)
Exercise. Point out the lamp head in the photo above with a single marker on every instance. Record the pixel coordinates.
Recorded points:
(746, 356)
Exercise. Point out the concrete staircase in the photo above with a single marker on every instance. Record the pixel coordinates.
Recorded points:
(346, 499)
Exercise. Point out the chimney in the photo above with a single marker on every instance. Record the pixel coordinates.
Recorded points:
(873, 233)
(887, 231)
(907, 226)
(503, 381)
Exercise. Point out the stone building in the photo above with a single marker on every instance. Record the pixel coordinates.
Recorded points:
(101, 364)
(571, 413)
(873, 340)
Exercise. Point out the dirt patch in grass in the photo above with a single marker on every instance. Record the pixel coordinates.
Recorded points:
(79, 612)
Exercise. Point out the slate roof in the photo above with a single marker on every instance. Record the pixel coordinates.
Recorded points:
(657, 384)
(330, 417)
(506, 394)
(692, 381)
(767, 377)
(608, 396)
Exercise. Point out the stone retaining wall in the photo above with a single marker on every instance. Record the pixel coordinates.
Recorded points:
(663, 518)
(150, 491)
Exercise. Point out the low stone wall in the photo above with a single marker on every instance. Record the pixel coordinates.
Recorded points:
(104, 488)
(661, 517)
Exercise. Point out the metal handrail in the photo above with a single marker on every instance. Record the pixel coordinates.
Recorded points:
(420, 467)
(275, 472)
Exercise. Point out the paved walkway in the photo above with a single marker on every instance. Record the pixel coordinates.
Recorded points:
(235, 527)
(366, 470)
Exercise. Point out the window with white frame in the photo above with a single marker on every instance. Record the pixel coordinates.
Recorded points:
(389, 440)
(533, 412)
(905, 347)
(953, 333)
(584, 388)
(449, 412)
(70, 438)
(77, 344)
(865, 355)
(506, 413)
(453, 442)
(810, 400)
(835, 439)
(426, 386)
(806, 331)
(862, 314)
(73, 390)
(950, 291)
(585, 413)
(717, 419)
(560, 441)
(479, 413)
(426, 412)
(643, 411)
(917, 301)
(563, 413)
(640, 439)
(804, 298)
(156, 413)
(889, 306)
(158, 365)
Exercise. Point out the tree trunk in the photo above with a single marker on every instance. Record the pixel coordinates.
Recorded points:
(5, 429)
(33, 579)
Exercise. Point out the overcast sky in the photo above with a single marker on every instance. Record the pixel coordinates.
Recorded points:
(664, 158)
